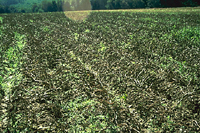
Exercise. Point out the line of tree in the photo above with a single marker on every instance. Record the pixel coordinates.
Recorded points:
(132, 4)
(60, 5)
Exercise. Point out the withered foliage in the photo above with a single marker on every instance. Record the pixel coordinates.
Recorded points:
(139, 71)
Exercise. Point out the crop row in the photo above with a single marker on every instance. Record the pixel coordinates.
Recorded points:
(114, 71)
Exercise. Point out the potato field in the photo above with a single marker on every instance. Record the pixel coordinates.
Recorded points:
(116, 71)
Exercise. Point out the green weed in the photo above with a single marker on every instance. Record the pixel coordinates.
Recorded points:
(1, 20)
(12, 59)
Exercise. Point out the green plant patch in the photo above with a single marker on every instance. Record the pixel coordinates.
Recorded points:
(12, 56)
(189, 33)
(1, 19)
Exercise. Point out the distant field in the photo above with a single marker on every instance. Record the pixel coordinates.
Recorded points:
(178, 9)
(115, 70)
(182, 9)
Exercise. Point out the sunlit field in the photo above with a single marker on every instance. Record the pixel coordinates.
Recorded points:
(100, 71)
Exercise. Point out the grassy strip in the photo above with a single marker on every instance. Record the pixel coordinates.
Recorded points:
(12, 59)
(11, 76)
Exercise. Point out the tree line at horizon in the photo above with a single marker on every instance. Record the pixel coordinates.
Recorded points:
(19, 6)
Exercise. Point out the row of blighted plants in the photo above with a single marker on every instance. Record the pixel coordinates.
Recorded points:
(50, 94)
(43, 100)
(130, 72)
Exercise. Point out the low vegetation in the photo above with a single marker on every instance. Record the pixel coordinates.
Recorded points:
(121, 71)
